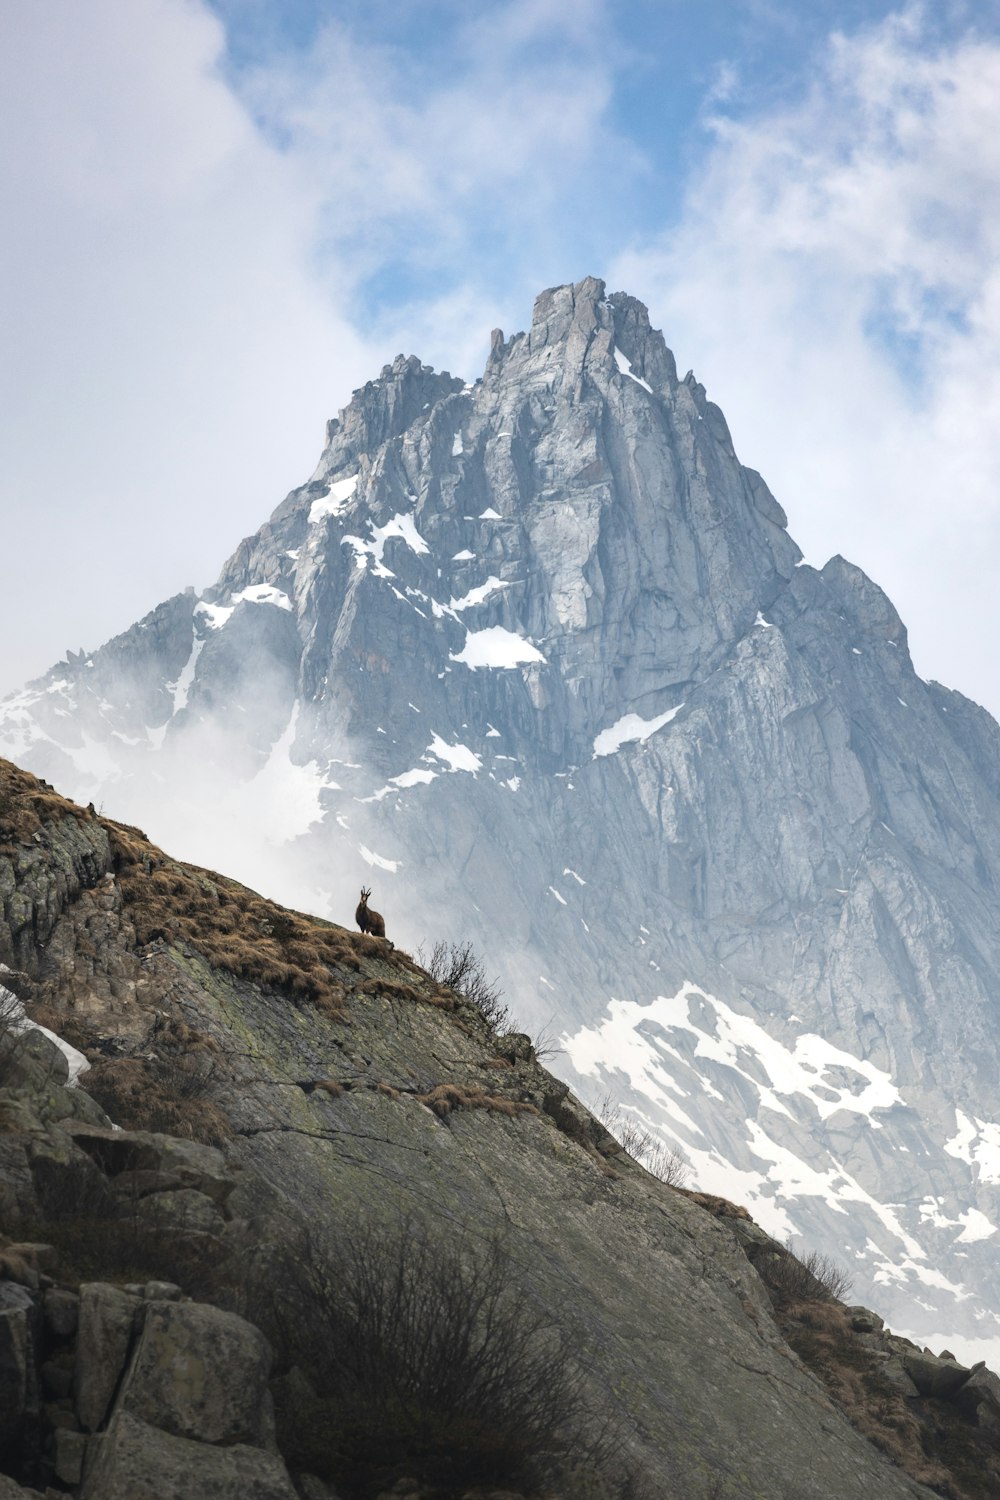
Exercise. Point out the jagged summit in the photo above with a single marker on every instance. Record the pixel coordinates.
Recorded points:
(539, 658)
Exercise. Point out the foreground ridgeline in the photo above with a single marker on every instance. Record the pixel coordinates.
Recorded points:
(285, 1216)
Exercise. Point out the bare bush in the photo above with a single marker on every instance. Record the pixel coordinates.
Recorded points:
(663, 1161)
(429, 1360)
(811, 1277)
(459, 968)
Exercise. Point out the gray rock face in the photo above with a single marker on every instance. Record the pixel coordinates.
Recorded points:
(106, 1323)
(538, 659)
(135, 1461)
(934, 1377)
(200, 1373)
(14, 1370)
(329, 1124)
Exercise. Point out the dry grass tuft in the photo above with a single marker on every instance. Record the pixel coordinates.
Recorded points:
(929, 1440)
(27, 804)
(449, 1096)
(140, 1095)
(232, 927)
(390, 988)
(719, 1208)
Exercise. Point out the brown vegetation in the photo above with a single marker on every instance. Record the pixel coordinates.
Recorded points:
(139, 1093)
(27, 804)
(230, 926)
(929, 1439)
(448, 1096)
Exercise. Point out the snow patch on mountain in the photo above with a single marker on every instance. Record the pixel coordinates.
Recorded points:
(479, 594)
(458, 757)
(214, 615)
(401, 526)
(182, 686)
(977, 1142)
(263, 593)
(377, 861)
(813, 1068)
(335, 501)
(631, 727)
(625, 368)
(496, 647)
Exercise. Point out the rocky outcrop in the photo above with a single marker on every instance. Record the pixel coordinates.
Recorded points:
(110, 1389)
(538, 656)
(374, 1098)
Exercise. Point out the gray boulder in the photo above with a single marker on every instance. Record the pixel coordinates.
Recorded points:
(932, 1376)
(979, 1398)
(201, 1373)
(9, 1490)
(70, 1452)
(107, 1320)
(62, 1312)
(135, 1461)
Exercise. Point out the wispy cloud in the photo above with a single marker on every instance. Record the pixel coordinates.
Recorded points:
(466, 177)
(169, 358)
(836, 275)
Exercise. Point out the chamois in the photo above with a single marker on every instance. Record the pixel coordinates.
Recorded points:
(368, 920)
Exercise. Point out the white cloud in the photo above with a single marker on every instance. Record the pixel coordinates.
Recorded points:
(836, 277)
(469, 176)
(169, 358)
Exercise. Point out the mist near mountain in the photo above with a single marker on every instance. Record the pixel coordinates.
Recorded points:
(538, 660)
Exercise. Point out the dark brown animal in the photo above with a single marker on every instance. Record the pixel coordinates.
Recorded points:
(368, 920)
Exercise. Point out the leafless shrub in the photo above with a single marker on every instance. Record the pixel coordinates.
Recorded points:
(811, 1277)
(663, 1161)
(459, 968)
(429, 1360)
(834, 1278)
(547, 1041)
(11, 1033)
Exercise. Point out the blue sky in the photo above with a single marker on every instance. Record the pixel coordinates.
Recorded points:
(225, 214)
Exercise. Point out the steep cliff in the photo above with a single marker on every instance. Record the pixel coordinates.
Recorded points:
(538, 657)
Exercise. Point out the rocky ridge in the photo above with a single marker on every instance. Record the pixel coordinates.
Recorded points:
(372, 1095)
(539, 656)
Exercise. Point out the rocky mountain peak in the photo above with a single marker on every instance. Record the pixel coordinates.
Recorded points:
(537, 658)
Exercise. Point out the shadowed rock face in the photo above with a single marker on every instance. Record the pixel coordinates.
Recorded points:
(538, 659)
(322, 1117)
